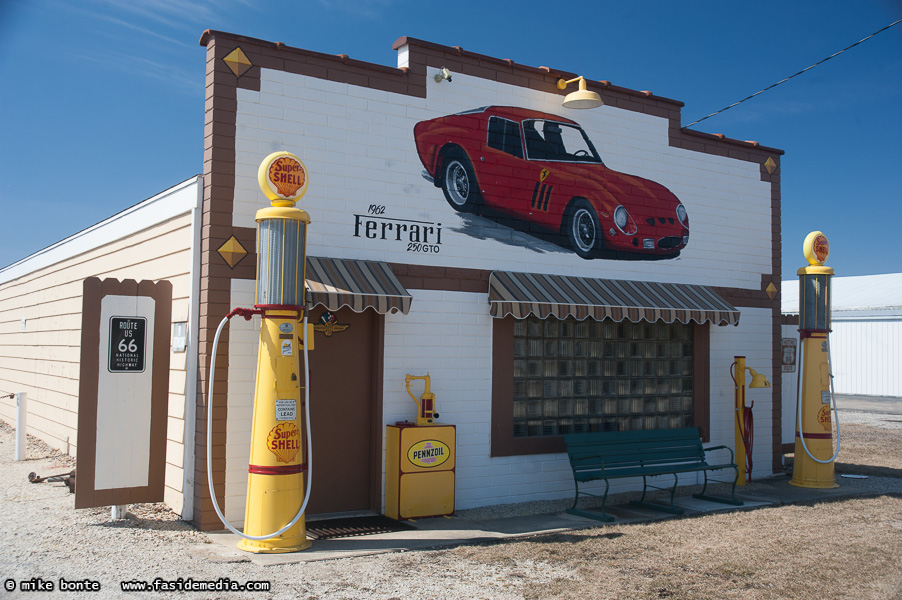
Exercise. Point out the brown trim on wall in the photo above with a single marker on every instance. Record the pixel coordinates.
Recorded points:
(503, 442)
(773, 176)
(88, 380)
(789, 320)
(701, 378)
(215, 291)
(378, 353)
(447, 279)
(423, 55)
(93, 292)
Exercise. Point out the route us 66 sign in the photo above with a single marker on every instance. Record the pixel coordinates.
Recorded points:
(127, 344)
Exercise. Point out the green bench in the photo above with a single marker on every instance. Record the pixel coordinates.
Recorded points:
(619, 454)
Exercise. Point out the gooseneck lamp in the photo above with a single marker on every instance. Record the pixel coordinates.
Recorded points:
(582, 98)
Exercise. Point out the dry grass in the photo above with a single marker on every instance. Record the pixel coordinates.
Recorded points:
(834, 550)
(842, 549)
(870, 451)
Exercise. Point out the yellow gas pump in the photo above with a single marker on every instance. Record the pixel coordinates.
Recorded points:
(274, 514)
(813, 464)
(420, 461)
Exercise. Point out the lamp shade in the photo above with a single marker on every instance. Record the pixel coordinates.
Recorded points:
(758, 380)
(582, 98)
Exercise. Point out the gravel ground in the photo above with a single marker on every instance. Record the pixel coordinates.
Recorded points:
(46, 541)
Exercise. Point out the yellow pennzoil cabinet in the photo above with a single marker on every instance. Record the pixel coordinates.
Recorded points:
(419, 470)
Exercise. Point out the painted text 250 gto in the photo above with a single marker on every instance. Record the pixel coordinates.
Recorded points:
(543, 172)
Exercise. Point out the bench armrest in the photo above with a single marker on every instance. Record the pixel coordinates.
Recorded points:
(732, 457)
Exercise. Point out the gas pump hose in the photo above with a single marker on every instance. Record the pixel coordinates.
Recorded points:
(832, 397)
(247, 313)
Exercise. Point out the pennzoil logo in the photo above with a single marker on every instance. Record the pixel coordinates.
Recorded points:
(328, 325)
(284, 440)
(429, 453)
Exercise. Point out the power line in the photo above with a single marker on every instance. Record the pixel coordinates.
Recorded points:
(791, 76)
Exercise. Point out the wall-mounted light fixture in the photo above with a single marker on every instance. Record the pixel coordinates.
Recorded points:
(442, 75)
(582, 98)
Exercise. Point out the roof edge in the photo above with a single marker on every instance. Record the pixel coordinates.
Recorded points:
(603, 84)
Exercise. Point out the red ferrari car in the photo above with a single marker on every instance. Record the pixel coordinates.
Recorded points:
(542, 171)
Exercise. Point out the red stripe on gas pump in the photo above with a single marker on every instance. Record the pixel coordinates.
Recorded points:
(817, 436)
(282, 470)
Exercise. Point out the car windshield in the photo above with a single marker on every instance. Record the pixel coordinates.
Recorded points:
(550, 140)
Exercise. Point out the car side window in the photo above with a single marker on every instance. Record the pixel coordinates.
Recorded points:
(548, 140)
(504, 135)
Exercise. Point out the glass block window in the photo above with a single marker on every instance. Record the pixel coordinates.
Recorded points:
(575, 376)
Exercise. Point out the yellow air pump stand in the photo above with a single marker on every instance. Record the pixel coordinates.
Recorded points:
(420, 462)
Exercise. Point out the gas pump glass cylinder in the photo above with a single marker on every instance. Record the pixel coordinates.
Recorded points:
(281, 240)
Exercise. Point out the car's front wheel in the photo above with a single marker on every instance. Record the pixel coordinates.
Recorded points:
(459, 184)
(583, 229)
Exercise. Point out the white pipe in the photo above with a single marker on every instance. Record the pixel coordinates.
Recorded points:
(21, 425)
(212, 374)
(832, 396)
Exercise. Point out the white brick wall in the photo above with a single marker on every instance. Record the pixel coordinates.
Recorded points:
(449, 335)
(358, 146)
(752, 339)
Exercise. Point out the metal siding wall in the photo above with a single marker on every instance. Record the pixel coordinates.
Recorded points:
(866, 356)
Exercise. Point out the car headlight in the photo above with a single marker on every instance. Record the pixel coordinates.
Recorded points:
(621, 218)
(682, 215)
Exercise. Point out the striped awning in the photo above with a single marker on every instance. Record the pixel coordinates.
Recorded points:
(357, 284)
(522, 294)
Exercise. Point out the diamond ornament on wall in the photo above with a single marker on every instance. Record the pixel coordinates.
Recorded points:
(238, 62)
(232, 252)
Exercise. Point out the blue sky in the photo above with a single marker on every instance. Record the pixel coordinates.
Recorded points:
(102, 101)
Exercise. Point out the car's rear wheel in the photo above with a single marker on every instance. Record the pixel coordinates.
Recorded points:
(583, 229)
(459, 184)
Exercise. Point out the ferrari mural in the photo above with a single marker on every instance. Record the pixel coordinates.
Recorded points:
(542, 174)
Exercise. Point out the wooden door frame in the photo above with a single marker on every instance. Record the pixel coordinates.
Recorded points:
(376, 404)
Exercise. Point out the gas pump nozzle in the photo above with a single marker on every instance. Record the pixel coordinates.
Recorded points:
(426, 403)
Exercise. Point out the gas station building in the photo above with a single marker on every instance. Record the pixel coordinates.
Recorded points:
(541, 299)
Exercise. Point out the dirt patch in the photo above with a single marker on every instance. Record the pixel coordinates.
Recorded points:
(836, 550)
(866, 450)
(870, 451)
(840, 549)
